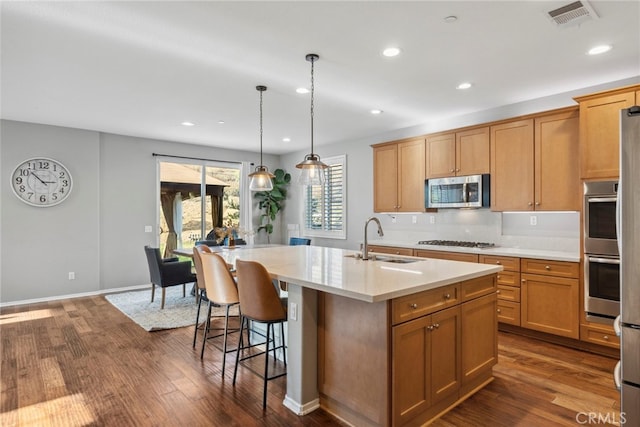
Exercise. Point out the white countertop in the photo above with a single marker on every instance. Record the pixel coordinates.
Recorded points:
(330, 270)
(500, 251)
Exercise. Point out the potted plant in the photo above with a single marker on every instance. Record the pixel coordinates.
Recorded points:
(271, 202)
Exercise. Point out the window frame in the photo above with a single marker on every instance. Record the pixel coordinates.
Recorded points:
(329, 234)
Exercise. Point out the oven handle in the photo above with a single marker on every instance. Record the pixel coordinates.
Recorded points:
(603, 260)
(602, 199)
(617, 377)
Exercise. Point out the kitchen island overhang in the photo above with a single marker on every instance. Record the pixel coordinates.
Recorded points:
(348, 328)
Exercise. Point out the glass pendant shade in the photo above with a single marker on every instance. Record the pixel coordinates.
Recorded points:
(261, 179)
(311, 168)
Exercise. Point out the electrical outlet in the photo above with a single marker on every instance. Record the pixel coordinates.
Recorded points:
(393, 219)
(414, 219)
(72, 275)
(432, 219)
(293, 311)
(533, 220)
(148, 229)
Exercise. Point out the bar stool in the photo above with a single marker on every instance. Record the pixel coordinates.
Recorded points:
(201, 291)
(221, 292)
(260, 303)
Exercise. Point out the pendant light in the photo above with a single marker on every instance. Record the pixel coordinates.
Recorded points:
(261, 177)
(311, 168)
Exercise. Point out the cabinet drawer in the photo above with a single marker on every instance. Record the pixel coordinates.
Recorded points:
(413, 306)
(391, 250)
(478, 287)
(508, 263)
(509, 278)
(550, 268)
(599, 335)
(451, 256)
(509, 312)
(508, 293)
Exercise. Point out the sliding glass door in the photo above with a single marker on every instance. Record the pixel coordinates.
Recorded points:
(186, 216)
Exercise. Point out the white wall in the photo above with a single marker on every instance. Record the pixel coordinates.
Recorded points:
(98, 232)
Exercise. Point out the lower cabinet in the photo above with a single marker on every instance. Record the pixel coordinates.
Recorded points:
(442, 357)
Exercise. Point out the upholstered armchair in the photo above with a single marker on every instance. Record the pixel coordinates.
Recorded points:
(165, 272)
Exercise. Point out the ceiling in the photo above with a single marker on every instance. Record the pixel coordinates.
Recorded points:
(143, 68)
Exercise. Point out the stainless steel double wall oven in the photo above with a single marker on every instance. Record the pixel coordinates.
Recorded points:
(601, 255)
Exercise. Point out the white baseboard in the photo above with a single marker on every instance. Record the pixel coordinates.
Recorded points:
(80, 295)
(299, 409)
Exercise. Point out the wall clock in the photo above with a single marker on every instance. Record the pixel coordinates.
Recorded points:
(41, 182)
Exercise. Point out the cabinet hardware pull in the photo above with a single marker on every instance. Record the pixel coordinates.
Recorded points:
(498, 262)
(498, 291)
(499, 311)
(450, 170)
(430, 327)
(499, 277)
(436, 326)
(414, 306)
(522, 280)
(530, 204)
(447, 296)
(606, 337)
(547, 267)
(537, 203)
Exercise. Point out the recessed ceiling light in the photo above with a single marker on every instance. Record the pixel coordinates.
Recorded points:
(220, 122)
(465, 85)
(302, 90)
(391, 52)
(286, 139)
(450, 19)
(599, 49)
(187, 124)
(376, 111)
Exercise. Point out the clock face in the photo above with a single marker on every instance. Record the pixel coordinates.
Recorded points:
(41, 182)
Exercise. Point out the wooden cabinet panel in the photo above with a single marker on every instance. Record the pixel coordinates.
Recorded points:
(512, 162)
(385, 178)
(391, 250)
(508, 293)
(509, 278)
(508, 312)
(440, 155)
(478, 287)
(458, 154)
(557, 178)
(508, 263)
(472, 151)
(445, 354)
(423, 303)
(550, 304)
(601, 334)
(600, 133)
(479, 339)
(452, 256)
(547, 267)
(398, 176)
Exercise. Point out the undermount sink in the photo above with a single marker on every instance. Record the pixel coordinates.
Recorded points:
(383, 258)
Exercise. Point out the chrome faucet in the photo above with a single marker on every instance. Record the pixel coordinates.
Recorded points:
(365, 247)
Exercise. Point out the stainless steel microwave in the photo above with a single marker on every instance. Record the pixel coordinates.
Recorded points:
(470, 191)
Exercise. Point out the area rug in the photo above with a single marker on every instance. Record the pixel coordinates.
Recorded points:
(178, 311)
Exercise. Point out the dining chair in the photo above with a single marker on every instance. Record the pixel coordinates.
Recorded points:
(260, 303)
(221, 291)
(165, 272)
(201, 292)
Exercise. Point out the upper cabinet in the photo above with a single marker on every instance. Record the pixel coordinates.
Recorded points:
(398, 176)
(600, 131)
(534, 165)
(458, 154)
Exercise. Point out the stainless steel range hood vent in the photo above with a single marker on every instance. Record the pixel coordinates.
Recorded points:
(572, 14)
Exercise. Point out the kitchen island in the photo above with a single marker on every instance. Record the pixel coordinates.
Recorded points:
(393, 341)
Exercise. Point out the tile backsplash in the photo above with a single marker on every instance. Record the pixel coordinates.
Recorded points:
(559, 231)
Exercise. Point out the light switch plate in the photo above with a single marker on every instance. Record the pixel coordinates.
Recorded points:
(293, 311)
(148, 229)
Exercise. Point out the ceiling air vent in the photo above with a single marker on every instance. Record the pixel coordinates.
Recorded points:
(572, 14)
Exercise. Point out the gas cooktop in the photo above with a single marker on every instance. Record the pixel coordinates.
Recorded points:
(480, 245)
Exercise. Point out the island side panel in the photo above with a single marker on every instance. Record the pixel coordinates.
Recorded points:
(353, 359)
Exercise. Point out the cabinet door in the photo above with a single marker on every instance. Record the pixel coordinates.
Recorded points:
(479, 339)
(557, 179)
(550, 304)
(512, 166)
(385, 178)
(410, 369)
(472, 152)
(600, 134)
(411, 176)
(445, 354)
(440, 155)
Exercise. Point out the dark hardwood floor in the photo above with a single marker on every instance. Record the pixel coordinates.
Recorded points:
(80, 362)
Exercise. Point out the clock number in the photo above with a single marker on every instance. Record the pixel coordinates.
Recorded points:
(29, 195)
(62, 190)
(43, 198)
(22, 189)
(65, 183)
(44, 165)
(54, 196)
(18, 180)
(24, 172)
